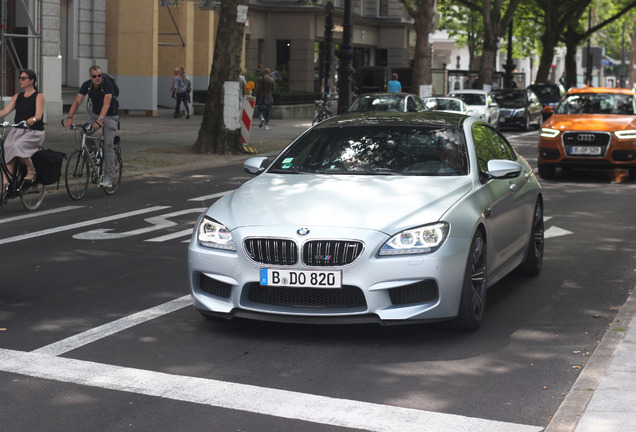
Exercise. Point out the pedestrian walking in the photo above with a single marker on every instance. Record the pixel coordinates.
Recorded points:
(265, 87)
(182, 88)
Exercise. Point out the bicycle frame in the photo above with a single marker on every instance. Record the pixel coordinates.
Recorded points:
(31, 194)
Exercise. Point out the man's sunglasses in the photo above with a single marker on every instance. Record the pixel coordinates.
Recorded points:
(96, 76)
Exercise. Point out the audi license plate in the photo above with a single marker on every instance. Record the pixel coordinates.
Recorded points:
(301, 278)
(585, 150)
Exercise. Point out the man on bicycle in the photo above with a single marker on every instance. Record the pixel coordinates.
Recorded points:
(104, 113)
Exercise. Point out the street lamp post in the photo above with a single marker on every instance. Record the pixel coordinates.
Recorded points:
(509, 67)
(621, 75)
(345, 54)
(326, 84)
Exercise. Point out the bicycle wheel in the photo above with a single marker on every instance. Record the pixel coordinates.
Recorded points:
(119, 165)
(32, 195)
(77, 174)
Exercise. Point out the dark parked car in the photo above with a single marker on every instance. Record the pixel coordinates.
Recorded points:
(518, 108)
(387, 102)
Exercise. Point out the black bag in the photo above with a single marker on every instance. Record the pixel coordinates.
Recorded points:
(189, 85)
(48, 166)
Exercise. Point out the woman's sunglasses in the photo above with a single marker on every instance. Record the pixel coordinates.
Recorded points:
(22, 78)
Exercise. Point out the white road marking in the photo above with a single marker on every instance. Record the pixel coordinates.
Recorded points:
(247, 398)
(38, 214)
(208, 197)
(183, 233)
(80, 224)
(89, 336)
(156, 222)
(555, 232)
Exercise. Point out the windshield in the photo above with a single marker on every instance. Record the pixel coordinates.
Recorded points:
(440, 104)
(471, 98)
(510, 99)
(376, 150)
(597, 103)
(385, 103)
(546, 94)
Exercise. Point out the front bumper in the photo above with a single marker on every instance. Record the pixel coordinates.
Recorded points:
(382, 290)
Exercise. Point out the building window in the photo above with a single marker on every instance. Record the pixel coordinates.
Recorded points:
(383, 8)
(283, 54)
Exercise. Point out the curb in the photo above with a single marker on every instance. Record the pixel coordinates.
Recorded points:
(575, 403)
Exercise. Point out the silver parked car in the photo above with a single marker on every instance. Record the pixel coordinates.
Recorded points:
(372, 217)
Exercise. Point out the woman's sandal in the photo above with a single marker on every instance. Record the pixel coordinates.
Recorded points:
(31, 175)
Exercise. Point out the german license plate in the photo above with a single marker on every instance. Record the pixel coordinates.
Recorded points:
(585, 150)
(301, 278)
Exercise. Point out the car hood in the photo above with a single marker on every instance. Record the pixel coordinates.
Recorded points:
(385, 203)
(591, 122)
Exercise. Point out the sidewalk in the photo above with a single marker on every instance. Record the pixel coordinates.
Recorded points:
(151, 144)
(603, 398)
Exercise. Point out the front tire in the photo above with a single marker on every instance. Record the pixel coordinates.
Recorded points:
(32, 196)
(546, 171)
(473, 299)
(77, 175)
(532, 263)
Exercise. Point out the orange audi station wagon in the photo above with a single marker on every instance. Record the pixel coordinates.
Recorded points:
(592, 127)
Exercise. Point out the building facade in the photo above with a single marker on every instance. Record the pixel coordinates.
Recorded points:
(140, 42)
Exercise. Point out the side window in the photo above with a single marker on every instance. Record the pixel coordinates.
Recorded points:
(489, 145)
(410, 105)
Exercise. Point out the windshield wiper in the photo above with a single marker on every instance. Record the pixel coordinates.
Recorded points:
(285, 171)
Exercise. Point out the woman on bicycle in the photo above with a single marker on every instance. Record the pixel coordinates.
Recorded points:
(24, 142)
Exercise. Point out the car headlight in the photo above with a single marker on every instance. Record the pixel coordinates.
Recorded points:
(424, 239)
(549, 133)
(214, 235)
(519, 113)
(625, 134)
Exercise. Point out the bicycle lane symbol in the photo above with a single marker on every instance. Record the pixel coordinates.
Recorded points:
(157, 223)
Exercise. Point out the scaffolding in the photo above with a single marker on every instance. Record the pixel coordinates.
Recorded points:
(31, 15)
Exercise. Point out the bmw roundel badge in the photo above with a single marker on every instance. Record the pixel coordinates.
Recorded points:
(302, 231)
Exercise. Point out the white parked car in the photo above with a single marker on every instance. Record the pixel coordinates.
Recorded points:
(445, 104)
(481, 104)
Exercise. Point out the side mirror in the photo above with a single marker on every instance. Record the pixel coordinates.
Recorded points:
(548, 110)
(255, 165)
(503, 169)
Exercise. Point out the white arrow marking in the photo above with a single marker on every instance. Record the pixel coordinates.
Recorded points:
(157, 223)
(80, 224)
(556, 232)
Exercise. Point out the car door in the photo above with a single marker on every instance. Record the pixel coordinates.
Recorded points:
(506, 233)
(493, 110)
(534, 108)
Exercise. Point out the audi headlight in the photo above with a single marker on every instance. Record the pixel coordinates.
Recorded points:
(214, 235)
(549, 133)
(625, 134)
(424, 239)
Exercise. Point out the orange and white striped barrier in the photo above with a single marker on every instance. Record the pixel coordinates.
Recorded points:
(246, 122)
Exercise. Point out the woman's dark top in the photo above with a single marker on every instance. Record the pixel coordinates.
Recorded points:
(25, 109)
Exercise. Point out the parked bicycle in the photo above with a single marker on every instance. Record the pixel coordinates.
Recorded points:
(31, 193)
(322, 112)
(86, 163)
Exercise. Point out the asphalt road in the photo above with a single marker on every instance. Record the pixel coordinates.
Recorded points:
(97, 332)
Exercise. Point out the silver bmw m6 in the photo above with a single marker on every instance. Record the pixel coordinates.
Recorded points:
(375, 217)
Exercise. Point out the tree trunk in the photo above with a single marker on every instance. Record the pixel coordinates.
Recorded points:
(220, 131)
(425, 23)
(492, 30)
(571, 44)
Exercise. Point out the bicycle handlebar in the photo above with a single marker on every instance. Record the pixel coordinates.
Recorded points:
(11, 124)
(87, 127)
